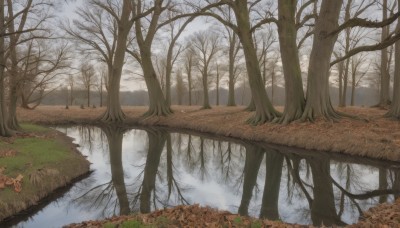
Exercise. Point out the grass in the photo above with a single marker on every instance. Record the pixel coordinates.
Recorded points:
(32, 154)
(33, 128)
(45, 159)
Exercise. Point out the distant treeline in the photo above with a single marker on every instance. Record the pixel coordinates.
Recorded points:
(364, 97)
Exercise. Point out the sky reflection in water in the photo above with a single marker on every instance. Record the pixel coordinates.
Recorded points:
(141, 170)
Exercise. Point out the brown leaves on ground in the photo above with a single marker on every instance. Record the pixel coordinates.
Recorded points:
(6, 153)
(382, 216)
(377, 138)
(6, 181)
(188, 216)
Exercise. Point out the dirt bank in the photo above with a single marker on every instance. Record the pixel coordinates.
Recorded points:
(383, 216)
(184, 216)
(45, 159)
(378, 138)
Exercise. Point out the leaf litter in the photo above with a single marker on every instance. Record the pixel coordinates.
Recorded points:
(6, 181)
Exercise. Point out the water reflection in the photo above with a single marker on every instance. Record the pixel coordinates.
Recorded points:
(144, 170)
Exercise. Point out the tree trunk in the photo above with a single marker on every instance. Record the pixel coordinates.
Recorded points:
(71, 98)
(254, 156)
(189, 74)
(114, 112)
(101, 92)
(206, 101)
(231, 83)
(384, 100)
(13, 83)
(343, 102)
(251, 107)
(318, 99)
(114, 137)
(383, 184)
(294, 101)
(158, 105)
(274, 164)
(156, 145)
(4, 130)
(341, 71)
(217, 98)
(88, 97)
(394, 110)
(264, 109)
(353, 83)
(346, 65)
(168, 72)
(323, 210)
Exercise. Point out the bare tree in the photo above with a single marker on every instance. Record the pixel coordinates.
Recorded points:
(325, 35)
(103, 28)
(180, 86)
(39, 68)
(394, 111)
(189, 60)
(175, 31)
(206, 46)
(384, 100)
(17, 24)
(144, 35)
(4, 130)
(87, 77)
(244, 26)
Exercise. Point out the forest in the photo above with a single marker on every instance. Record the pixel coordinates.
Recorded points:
(290, 104)
(305, 47)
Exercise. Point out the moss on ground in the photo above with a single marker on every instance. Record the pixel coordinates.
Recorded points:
(46, 158)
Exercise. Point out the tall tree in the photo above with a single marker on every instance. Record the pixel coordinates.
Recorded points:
(287, 31)
(384, 99)
(4, 130)
(104, 28)
(115, 137)
(394, 110)
(325, 35)
(318, 100)
(144, 35)
(175, 31)
(189, 60)
(15, 27)
(87, 77)
(180, 87)
(206, 46)
(39, 67)
(242, 25)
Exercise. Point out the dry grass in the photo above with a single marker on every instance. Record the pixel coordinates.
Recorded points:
(377, 138)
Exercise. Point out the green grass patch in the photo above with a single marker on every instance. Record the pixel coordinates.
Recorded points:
(33, 128)
(33, 153)
(109, 225)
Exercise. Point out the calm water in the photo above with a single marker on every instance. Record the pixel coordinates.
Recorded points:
(143, 170)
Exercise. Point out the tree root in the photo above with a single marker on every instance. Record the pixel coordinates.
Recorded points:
(392, 114)
(205, 107)
(108, 117)
(159, 110)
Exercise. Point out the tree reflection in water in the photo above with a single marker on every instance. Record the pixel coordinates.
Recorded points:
(269, 181)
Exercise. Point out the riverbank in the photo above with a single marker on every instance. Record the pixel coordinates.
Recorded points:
(378, 138)
(184, 216)
(382, 216)
(33, 165)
